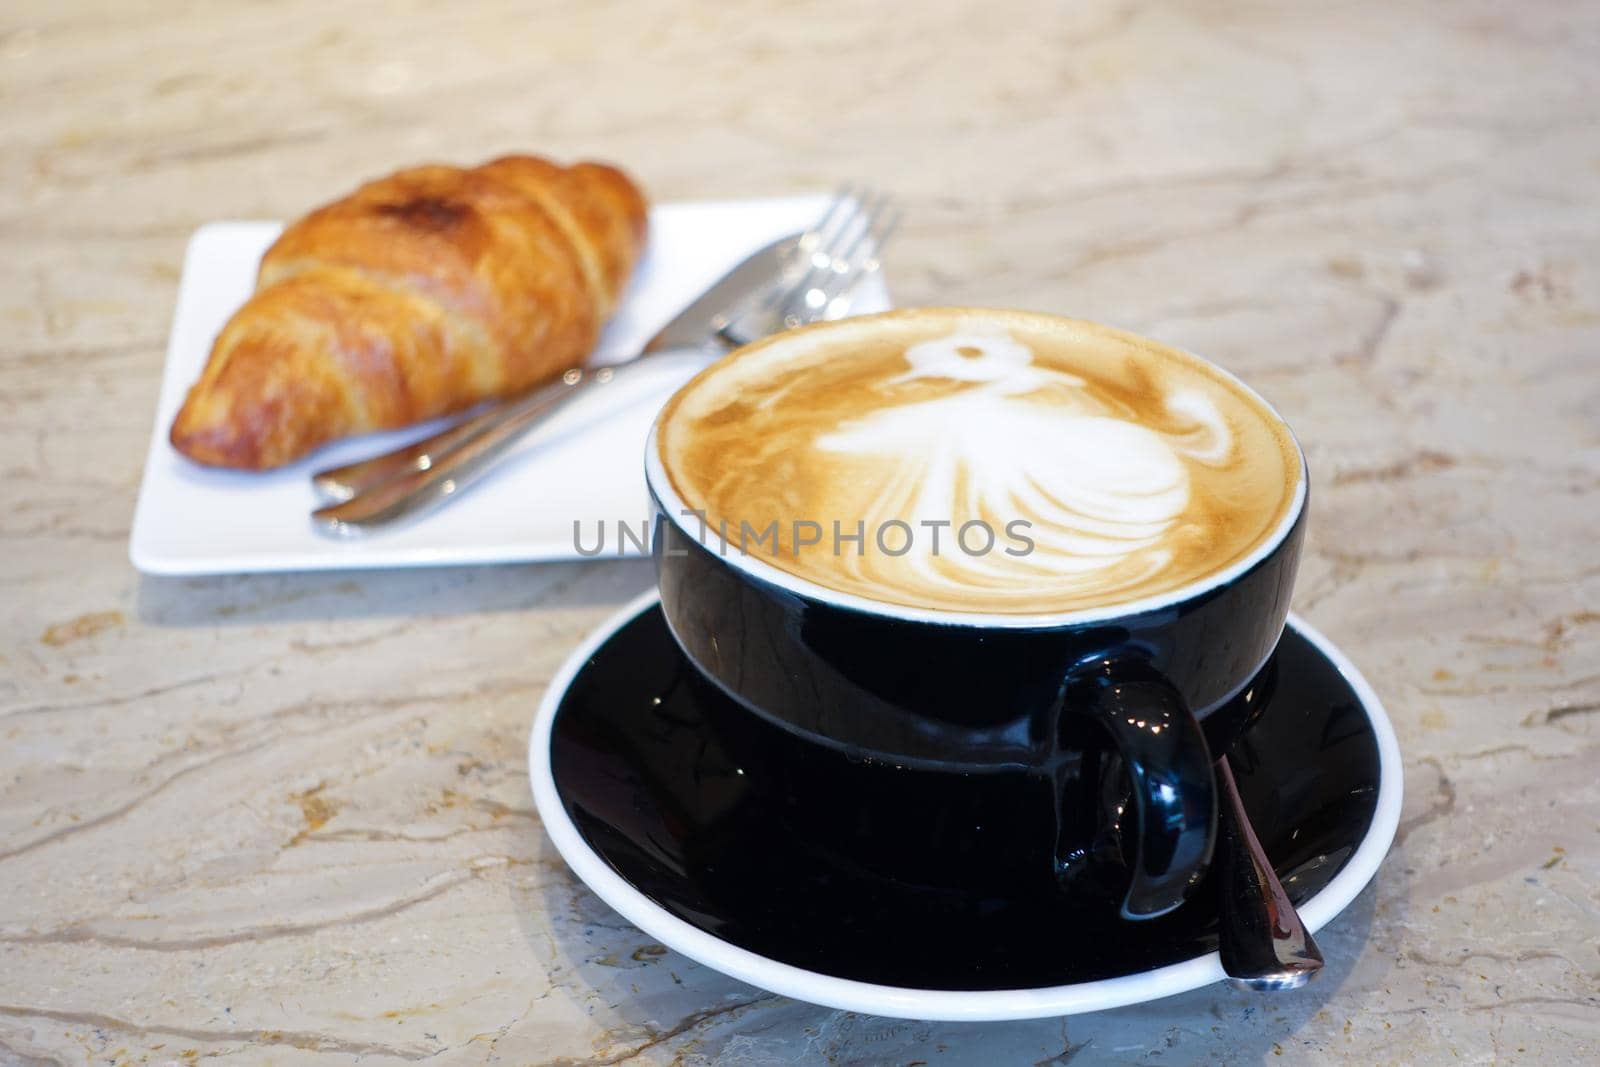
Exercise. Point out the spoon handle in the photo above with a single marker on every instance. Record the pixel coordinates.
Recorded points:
(1264, 945)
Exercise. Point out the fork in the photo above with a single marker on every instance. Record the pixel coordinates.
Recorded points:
(833, 256)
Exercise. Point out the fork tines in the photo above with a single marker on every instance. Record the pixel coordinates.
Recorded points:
(839, 249)
(832, 257)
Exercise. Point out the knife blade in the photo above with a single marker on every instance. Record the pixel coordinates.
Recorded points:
(712, 309)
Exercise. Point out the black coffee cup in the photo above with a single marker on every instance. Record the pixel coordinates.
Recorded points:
(969, 694)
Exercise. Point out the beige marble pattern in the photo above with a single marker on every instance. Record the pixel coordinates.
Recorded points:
(286, 819)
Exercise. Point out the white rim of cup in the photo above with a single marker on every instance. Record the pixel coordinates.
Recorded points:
(677, 511)
(938, 1005)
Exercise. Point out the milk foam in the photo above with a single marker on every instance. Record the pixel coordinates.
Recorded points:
(1132, 470)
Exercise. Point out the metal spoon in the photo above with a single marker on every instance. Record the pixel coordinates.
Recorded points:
(1264, 945)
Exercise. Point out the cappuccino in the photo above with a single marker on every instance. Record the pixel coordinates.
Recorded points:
(979, 461)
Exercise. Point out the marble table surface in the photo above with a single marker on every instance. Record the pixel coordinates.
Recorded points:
(286, 819)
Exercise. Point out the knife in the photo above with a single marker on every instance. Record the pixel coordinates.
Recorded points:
(714, 308)
(693, 327)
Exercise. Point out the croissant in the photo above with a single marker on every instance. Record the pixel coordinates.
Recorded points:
(418, 294)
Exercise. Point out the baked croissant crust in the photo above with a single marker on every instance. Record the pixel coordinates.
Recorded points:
(417, 295)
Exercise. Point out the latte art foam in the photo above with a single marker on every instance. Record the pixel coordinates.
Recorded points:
(1123, 468)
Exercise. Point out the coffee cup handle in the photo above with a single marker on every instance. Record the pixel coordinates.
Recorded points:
(1169, 767)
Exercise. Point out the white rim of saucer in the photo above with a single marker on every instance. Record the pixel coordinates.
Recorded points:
(937, 1005)
(676, 511)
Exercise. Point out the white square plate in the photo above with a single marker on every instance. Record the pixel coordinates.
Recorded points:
(584, 466)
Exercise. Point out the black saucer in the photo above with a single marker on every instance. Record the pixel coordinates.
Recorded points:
(641, 757)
